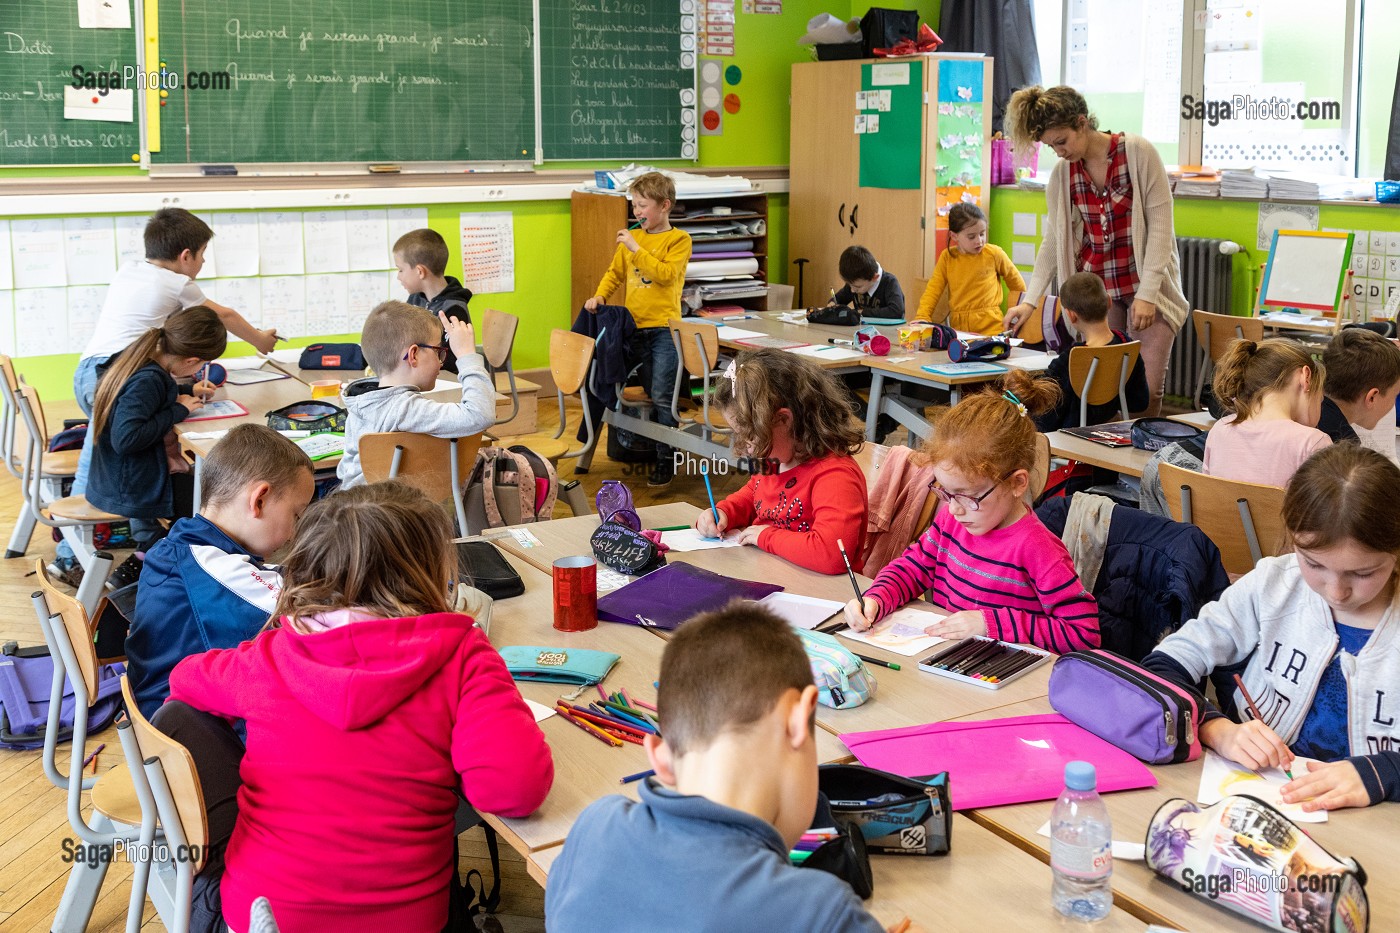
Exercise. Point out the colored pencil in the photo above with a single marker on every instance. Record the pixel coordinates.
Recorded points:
(1254, 711)
(902, 926)
(868, 660)
(646, 706)
(1006, 665)
(628, 717)
(591, 729)
(92, 759)
(852, 574)
(979, 654)
(1007, 671)
(605, 723)
(672, 528)
(640, 775)
(709, 491)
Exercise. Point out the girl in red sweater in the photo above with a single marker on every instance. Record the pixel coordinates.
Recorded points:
(791, 419)
(370, 707)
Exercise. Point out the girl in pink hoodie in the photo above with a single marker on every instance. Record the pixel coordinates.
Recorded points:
(369, 706)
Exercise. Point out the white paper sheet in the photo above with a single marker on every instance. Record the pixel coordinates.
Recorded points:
(115, 106)
(367, 235)
(7, 322)
(1221, 777)
(327, 246)
(288, 357)
(280, 243)
(84, 305)
(37, 247)
(243, 296)
(805, 612)
(609, 579)
(1125, 851)
(828, 352)
(7, 268)
(726, 332)
(363, 290)
(283, 301)
(242, 362)
(539, 710)
(403, 219)
(104, 14)
(210, 269)
(1031, 362)
(327, 305)
(131, 244)
(41, 321)
(688, 539)
(902, 632)
(238, 245)
(90, 250)
(488, 251)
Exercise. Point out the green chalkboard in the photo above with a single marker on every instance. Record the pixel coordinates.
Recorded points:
(40, 43)
(617, 79)
(348, 81)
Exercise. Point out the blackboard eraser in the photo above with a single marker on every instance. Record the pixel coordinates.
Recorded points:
(384, 169)
(218, 170)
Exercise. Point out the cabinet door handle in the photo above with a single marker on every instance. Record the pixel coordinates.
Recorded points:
(841, 215)
(854, 225)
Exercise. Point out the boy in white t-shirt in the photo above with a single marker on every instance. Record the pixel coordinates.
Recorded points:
(142, 295)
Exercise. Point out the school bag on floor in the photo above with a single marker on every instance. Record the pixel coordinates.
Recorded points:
(509, 486)
(26, 677)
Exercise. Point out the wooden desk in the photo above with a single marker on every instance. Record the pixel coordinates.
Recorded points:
(905, 367)
(1127, 460)
(1366, 834)
(816, 335)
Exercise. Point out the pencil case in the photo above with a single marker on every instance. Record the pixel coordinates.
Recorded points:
(842, 680)
(1245, 856)
(576, 666)
(310, 415)
(896, 815)
(332, 356)
(1152, 719)
(846, 856)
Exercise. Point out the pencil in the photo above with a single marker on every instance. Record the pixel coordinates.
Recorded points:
(640, 775)
(1254, 711)
(890, 664)
(672, 528)
(860, 597)
(902, 926)
(605, 723)
(709, 491)
(591, 729)
(91, 759)
(1026, 659)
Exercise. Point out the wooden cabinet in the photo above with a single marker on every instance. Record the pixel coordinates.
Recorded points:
(905, 228)
(597, 217)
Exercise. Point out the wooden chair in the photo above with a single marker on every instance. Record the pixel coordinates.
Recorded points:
(1032, 329)
(497, 344)
(439, 466)
(1245, 520)
(9, 418)
(697, 346)
(571, 365)
(780, 297)
(1099, 374)
(172, 806)
(116, 809)
(73, 516)
(1214, 334)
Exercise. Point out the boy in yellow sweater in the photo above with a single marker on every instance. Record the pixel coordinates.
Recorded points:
(971, 270)
(651, 261)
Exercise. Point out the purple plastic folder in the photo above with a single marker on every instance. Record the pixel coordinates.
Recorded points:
(995, 762)
(669, 595)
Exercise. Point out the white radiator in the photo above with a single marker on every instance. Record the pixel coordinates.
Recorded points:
(1207, 280)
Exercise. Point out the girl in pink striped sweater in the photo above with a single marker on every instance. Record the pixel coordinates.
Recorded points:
(986, 557)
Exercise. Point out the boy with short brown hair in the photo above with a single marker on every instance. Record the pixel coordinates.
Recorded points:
(735, 786)
(1363, 378)
(421, 258)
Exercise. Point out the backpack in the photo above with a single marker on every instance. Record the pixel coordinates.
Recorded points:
(509, 487)
(26, 677)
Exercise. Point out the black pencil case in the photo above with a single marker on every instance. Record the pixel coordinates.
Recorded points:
(482, 566)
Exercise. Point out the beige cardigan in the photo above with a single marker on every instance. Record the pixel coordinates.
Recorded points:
(1154, 238)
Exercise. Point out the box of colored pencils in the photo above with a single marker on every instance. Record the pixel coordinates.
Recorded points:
(984, 662)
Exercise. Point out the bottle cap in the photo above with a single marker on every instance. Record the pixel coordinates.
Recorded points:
(1080, 775)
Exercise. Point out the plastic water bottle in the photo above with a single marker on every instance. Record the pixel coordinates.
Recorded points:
(1081, 847)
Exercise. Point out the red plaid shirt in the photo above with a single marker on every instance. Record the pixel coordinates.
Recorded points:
(1107, 248)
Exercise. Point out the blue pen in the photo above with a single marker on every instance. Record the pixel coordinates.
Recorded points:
(709, 491)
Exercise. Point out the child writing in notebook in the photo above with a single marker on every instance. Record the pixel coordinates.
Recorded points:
(971, 271)
(791, 419)
(1319, 633)
(987, 558)
(370, 706)
(1273, 390)
(138, 403)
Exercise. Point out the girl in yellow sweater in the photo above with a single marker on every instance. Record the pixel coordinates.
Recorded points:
(971, 270)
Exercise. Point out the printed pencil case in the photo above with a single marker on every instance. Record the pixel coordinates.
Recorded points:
(897, 815)
(576, 666)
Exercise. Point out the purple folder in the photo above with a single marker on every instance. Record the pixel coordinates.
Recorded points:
(670, 595)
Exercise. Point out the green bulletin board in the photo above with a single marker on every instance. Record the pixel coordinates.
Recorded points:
(891, 145)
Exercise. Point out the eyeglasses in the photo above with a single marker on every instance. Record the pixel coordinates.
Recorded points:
(971, 503)
(441, 351)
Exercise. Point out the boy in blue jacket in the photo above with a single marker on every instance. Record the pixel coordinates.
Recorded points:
(735, 787)
(204, 585)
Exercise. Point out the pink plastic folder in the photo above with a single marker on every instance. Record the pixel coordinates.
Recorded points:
(995, 762)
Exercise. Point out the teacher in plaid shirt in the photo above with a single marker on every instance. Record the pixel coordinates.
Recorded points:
(1110, 213)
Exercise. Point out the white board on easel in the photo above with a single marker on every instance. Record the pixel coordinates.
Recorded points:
(1306, 270)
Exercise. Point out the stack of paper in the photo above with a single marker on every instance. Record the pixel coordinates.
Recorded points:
(1306, 186)
(1244, 183)
(1194, 181)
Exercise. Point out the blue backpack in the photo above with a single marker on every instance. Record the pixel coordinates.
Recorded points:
(26, 678)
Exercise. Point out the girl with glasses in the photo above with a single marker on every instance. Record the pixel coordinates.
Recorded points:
(986, 558)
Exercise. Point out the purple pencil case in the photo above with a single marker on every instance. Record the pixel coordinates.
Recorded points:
(1152, 719)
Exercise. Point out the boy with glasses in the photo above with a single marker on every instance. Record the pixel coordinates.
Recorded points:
(403, 346)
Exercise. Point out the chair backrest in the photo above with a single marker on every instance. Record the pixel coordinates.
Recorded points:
(942, 308)
(9, 387)
(570, 356)
(1245, 520)
(498, 337)
(1032, 329)
(698, 356)
(1040, 469)
(1116, 363)
(75, 628)
(31, 395)
(177, 766)
(425, 462)
(780, 297)
(1215, 332)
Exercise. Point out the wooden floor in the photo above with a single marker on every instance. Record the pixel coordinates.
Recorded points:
(33, 820)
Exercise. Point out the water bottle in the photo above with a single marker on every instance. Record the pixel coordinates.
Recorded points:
(1081, 847)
